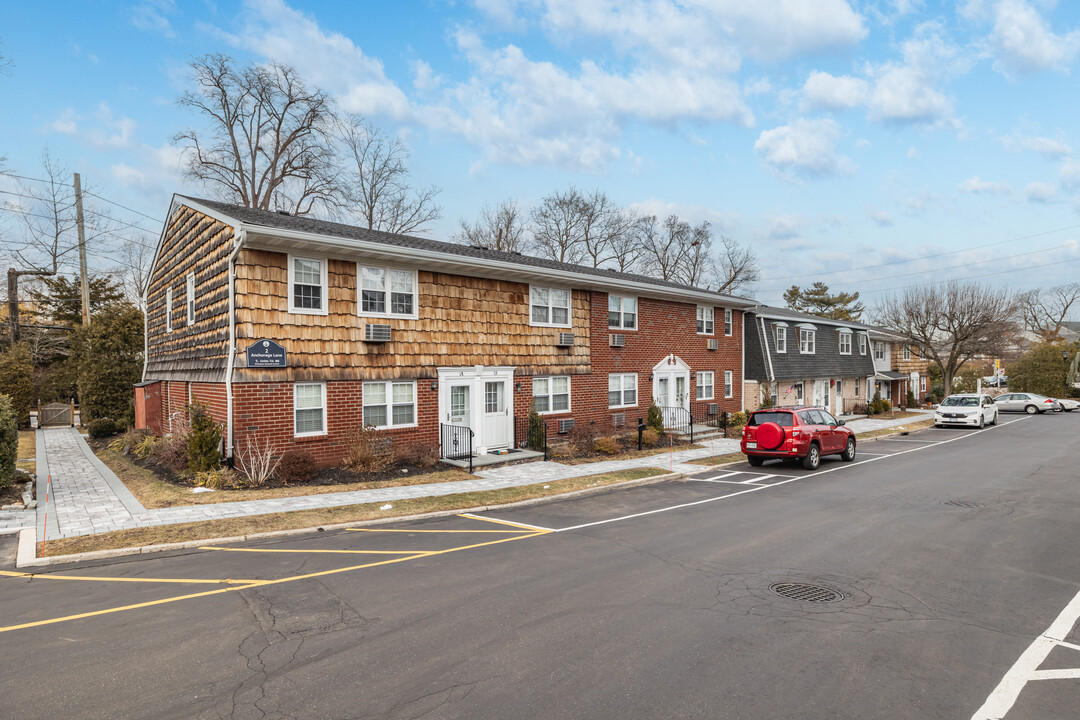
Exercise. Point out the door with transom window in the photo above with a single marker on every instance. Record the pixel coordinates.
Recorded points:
(671, 389)
(480, 398)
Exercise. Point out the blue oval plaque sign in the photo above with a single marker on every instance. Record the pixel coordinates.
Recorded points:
(264, 354)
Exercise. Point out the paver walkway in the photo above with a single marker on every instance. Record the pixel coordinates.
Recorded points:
(87, 498)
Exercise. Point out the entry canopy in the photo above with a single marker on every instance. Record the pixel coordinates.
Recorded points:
(889, 375)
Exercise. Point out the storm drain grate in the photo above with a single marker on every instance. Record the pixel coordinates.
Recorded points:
(807, 593)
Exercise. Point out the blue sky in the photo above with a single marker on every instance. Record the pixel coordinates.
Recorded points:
(846, 142)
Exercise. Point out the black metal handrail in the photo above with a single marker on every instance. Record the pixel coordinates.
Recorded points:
(522, 439)
(455, 443)
(678, 419)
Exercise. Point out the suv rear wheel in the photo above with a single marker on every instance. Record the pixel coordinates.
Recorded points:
(754, 460)
(813, 457)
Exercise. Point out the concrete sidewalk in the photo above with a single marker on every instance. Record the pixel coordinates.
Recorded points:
(87, 498)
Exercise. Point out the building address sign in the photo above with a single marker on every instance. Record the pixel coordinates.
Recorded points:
(265, 354)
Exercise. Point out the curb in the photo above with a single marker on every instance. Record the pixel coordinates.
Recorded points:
(28, 546)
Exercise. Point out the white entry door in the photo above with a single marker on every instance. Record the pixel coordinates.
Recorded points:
(671, 389)
(497, 420)
(460, 404)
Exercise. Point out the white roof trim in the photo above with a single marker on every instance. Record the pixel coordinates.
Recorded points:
(845, 331)
(780, 324)
(806, 326)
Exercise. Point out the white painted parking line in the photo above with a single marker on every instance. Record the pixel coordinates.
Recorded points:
(715, 477)
(924, 442)
(756, 479)
(863, 452)
(1025, 669)
(793, 478)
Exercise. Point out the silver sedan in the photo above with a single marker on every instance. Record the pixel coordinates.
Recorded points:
(1026, 402)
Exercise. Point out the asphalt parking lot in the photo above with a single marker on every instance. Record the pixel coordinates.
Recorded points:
(952, 552)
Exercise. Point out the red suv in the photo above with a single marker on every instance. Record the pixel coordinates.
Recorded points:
(800, 432)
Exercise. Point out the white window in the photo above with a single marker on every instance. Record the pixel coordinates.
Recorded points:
(622, 390)
(729, 384)
(705, 320)
(549, 307)
(907, 352)
(806, 341)
(845, 343)
(386, 292)
(390, 404)
(781, 338)
(307, 286)
(551, 394)
(705, 385)
(862, 343)
(922, 385)
(190, 298)
(309, 409)
(857, 387)
(879, 351)
(727, 321)
(798, 392)
(168, 309)
(622, 312)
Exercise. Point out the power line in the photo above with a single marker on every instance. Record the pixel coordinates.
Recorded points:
(971, 277)
(935, 255)
(941, 269)
(113, 202)
(110, 217)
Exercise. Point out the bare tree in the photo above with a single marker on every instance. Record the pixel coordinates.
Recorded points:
(953, 323)
(627, 247)
(46, 219)
(5, 62)
(605, 228)
(559, 223)
(498, 228)
(737, 266)
(136, 256)
(376, 183)
(676, 250)
(269, 144)
(1044, 311)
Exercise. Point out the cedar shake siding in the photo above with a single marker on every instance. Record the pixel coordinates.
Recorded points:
(192, 243)
(460, 321)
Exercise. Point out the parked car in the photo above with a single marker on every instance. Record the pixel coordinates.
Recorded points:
(800, 432)
(1026, 402)
(1068, 404)
(966, 409)
(996, 381)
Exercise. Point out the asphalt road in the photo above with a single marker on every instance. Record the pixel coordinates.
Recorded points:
(953, 559)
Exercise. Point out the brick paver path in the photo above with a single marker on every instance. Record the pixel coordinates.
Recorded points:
(86, 499)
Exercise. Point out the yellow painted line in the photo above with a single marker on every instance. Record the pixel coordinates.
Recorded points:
(92, 578)
(329, 552)
(523, 526)
(432, 531)
(260, 583)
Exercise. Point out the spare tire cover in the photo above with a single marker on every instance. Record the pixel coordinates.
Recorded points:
(770, 436)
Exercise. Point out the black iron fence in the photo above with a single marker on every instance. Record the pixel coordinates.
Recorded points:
(533, 437)
(456, 443)
(682, 421)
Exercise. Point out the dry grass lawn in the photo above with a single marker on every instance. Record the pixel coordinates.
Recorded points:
(627, 455)
(234, 527)
(27, 449)
(153, 492)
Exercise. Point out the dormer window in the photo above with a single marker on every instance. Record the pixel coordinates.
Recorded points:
(845, 342)
(862, 343)
(781, 337)
(807, 339)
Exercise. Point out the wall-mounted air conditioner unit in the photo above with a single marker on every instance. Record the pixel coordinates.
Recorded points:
(376, 333)
(617, 340)
(713, 408)
(714, 344)
(565, 426)
(565, 340)
(618, 420)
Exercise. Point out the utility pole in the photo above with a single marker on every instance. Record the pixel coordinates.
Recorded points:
(13, 303)
(82, 252)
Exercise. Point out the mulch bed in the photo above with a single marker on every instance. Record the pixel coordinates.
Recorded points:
(324, 478)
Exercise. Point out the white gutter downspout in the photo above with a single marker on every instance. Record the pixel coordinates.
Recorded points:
(765, 344)
(240, 235)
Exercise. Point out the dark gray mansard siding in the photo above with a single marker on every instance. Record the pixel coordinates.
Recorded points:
(792, 365)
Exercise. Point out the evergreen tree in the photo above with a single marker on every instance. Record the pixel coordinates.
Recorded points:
(1040, 371)
(110, 356)
(60, 303)
(816, 300)
(17, 380)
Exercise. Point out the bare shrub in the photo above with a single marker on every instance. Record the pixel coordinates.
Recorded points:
(582, 438)
(606, 446)
(650, 437)
(296, 466)
(217, 479)
(257, 460)
(367, 451)
(423, 455)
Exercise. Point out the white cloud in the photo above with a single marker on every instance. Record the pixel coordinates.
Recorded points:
(1040, 192)
(152, 16)
(913, 154)
(1048, 147)
(101, 129)
(1069, 173)
(823, 91)
(882, 218)
(977, 186)
(783, 227)
(805, 147)
(908, 91)
(1021, 39)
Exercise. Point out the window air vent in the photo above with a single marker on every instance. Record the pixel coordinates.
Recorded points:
(566, 425)
(617, 340)
(618, 420)
(714, 344)
(565, 340)
(714, 408)
(376, 333)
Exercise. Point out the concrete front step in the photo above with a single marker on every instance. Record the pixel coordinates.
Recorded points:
(514, 457)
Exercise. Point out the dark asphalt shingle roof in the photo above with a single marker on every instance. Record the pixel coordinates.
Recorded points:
(268, 218)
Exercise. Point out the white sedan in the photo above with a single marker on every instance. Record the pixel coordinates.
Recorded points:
(971, 410)
(1068, 404)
